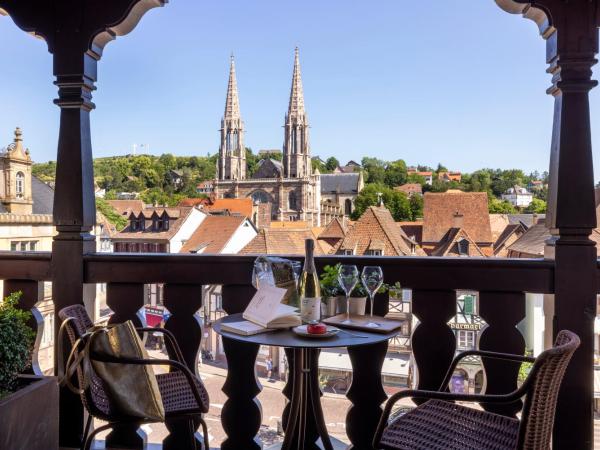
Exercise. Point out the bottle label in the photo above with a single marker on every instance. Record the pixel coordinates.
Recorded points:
(310, 309)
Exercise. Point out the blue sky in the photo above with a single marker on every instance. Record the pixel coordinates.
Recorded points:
(423, 81)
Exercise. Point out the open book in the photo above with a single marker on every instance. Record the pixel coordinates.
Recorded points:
(265, 313)
(265, 309)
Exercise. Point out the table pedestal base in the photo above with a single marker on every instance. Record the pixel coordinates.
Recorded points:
(304, 423)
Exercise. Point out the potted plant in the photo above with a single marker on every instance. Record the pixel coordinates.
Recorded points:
(331, 293)
(331, 290)
(28, 403)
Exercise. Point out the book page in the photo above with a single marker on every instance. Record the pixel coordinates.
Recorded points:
(265, 305)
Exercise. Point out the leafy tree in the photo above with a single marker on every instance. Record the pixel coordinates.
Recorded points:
(332, 163)
(496, 206)
(441, 168)
(396, 202)
(414, 178)
(438, 186)
(111, 214)
(317, 164)
(416, 206)
(505, 179)
(396, 173)
(251, 162)
(536, 206)
(424, 169)
(168, 161)
(479, 181)
(374, 170)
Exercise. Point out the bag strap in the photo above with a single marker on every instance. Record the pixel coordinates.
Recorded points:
(81, 347)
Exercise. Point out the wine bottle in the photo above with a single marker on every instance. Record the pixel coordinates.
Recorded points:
(309, 289)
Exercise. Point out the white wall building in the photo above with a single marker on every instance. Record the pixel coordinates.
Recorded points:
(518, 196)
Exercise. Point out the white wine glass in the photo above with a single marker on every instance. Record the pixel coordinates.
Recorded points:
(372, 279)
(348, 279)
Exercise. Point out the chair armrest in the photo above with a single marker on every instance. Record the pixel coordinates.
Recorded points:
(447, 396)
(153, 362)
(485, 354)
(170, 337)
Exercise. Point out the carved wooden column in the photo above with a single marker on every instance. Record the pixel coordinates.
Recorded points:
(433, 341)
(571, 213)
(32, 292)
(571, 31)
(183, 302)
(242, 414)
(502, 311)
(76, 32)
(366, 394)
(126, 300)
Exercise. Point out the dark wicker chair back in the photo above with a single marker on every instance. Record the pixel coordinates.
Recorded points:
(94, 397)
(540, 403)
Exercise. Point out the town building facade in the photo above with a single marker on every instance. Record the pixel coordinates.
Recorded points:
(518, 196)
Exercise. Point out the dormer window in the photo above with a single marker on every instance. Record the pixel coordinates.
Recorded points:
(20, 185)
(463, 247)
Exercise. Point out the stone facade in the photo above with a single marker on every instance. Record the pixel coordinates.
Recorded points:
(290, 187)
(15, 168)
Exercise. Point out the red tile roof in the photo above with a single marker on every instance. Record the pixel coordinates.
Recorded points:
(126, 206)
(193, 201)
(413, 230)
(281, 241)
(335, 230)
(410, 188)
(442, 211)
(448, 246)
(241, 206)
(213, 234)
(376, 227)
(180, 213)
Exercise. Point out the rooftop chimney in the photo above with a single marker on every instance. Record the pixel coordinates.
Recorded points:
(458, 220)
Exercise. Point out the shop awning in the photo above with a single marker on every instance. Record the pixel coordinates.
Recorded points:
(393, 365)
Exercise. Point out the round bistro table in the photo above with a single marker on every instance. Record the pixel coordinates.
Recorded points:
(305, 410)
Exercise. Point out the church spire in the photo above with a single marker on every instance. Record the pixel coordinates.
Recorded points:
(296, 107)
(232, 153)
(232, 103)
(296, 145)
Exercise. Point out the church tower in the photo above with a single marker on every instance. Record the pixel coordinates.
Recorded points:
(296, 146)
(232, 153)
(15, 170)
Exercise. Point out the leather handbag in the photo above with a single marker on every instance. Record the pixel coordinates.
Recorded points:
(132, 389)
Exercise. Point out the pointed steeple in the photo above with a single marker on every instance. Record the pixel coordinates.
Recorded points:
(232, 153)
(232, 104)
(296, 146)
(296, 107)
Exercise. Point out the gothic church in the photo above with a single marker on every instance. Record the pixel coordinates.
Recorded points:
(290, 187)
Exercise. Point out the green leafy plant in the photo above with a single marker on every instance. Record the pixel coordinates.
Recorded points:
(330, 286)
(17, 342)
(524, 369)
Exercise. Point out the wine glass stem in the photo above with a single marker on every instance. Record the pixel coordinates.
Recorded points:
(347, 307)
(371, 297)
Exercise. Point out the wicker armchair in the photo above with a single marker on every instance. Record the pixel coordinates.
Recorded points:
(441, 424)
(183, 394)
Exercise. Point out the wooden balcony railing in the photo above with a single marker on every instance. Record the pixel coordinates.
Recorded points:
(501, 283)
